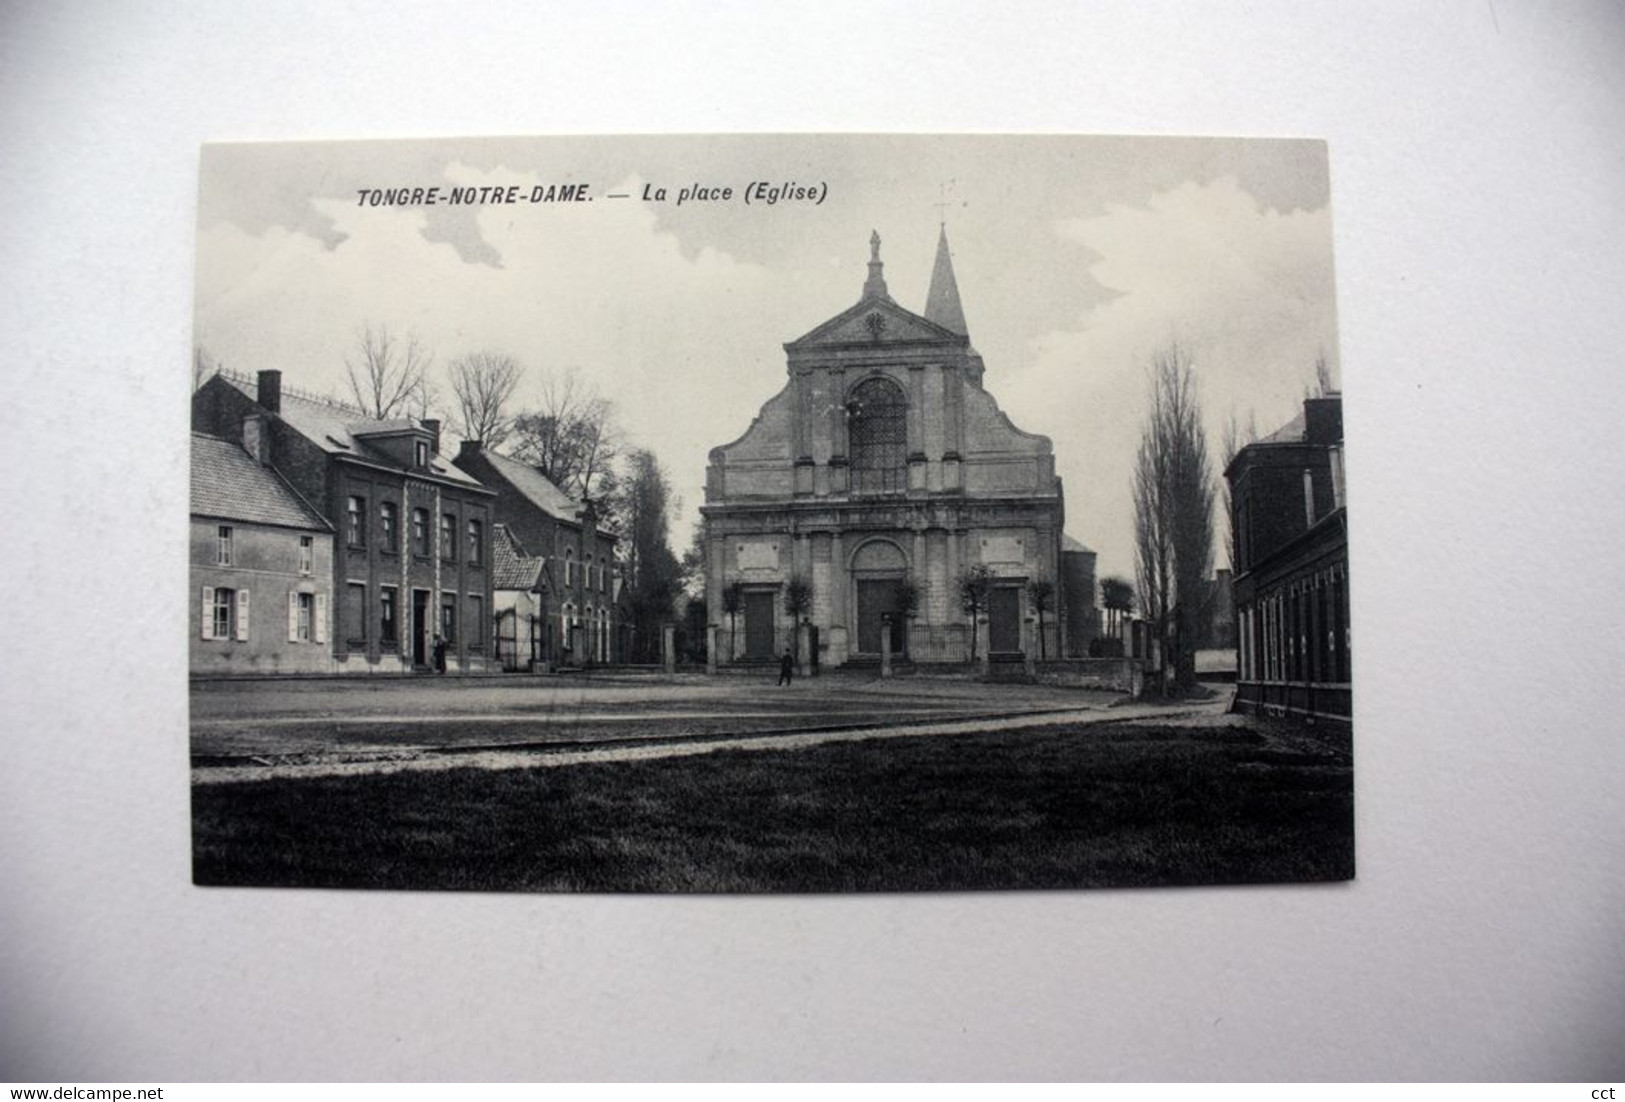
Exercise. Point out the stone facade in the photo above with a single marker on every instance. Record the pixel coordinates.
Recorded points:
(881, 473)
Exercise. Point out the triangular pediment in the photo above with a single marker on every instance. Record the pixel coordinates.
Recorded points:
(876, 322)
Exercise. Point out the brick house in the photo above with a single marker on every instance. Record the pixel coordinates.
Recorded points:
(411, 556)
(261, 568)
(1291, 583)
(582, 624)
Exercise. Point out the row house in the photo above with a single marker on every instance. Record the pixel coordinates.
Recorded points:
(1291, 585)
(261, 568)
(410, 534)
(580, 623)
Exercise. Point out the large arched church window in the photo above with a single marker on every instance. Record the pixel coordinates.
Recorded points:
(878, 424)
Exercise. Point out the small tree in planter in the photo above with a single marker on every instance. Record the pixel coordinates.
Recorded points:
(906, 598)
(733, 599)
(975, 588)
(798, 600)
(1041, 591)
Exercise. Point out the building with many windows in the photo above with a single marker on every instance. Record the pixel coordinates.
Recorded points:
(261, 568)
(581, 625)
(878, 476)
(1291, 584)
(410, 563)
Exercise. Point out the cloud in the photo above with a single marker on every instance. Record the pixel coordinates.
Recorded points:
(1248, 290)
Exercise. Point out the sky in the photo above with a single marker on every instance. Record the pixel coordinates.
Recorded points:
(1077, 258)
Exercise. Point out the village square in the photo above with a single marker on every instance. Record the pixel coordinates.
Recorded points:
(437, 620)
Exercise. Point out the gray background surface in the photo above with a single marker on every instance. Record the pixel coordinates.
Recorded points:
(1478, 171)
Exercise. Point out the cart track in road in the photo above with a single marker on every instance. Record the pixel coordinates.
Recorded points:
(555, 754)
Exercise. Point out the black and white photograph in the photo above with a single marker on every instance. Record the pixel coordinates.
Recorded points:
(768, 514)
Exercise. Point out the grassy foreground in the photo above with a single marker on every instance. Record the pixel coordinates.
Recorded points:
(1053, 807)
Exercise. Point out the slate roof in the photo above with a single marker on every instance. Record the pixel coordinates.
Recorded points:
(536, 488)
(1289, 433)
(229, 484)
(511, 566)
(338, 430)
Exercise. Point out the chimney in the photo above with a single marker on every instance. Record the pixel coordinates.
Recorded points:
(257, 438)
(470, 447)
(433, 425)
(270, 395)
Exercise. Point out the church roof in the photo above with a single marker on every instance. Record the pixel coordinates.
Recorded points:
(942, 301)
(877, 319)
(230, 484)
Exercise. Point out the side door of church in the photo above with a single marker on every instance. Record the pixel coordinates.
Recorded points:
(1004, 620)
(759, 625)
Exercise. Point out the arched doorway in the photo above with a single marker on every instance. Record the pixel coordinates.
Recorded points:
(878, 567)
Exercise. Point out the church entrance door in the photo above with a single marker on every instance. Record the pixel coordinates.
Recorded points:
(1004, 620)
(759, 626)
(876, 599)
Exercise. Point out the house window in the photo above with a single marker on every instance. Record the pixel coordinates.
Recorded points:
(307, 617)
(878, 420)
(389, 521)
(422, 453)
(222, 545)
(476, 543)
(586, 581)
(448, 536)
(225, 602)
(476, 622)
(569, 566)
(420, 532)
(386, 608)
(448, 618)
(355, 612)
(307, 554)
(355, 529)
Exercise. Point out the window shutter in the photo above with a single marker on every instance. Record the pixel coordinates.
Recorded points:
(242, 615)
(293, 616)
(320, 627)
(207, 623)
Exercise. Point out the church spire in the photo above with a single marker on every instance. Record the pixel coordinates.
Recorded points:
(875, 285)
(942, 301)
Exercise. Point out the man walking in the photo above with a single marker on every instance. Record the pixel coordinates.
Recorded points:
(787, 667)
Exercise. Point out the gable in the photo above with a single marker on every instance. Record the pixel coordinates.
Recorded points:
(876, 322)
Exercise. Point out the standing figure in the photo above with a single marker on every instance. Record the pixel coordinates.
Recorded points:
(439, 654)
(787, 667)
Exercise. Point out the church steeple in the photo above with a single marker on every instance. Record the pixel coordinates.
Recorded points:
(942, 301)
(875, 285)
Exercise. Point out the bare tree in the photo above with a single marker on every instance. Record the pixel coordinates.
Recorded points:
(1233, 437)
(483, 383)
(571, 437)
(1173, 513)
(389, 378)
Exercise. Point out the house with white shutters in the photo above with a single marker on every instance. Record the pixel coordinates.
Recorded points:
(261, 568)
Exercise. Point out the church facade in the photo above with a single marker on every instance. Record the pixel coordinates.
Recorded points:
(865, 490)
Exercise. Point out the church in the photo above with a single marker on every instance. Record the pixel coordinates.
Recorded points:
(881, 475)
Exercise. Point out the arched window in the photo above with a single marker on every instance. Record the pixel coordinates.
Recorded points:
(878, 420)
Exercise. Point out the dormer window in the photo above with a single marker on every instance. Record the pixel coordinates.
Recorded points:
(422, 453)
